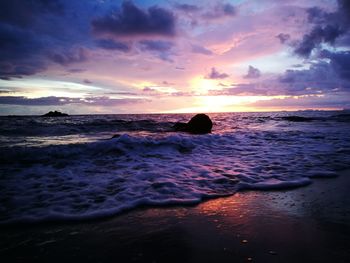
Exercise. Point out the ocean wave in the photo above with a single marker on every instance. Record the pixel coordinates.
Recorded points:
(108, 176)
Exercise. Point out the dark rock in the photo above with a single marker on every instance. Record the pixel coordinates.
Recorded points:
(296, 118)
(199, 124)
(55, 114)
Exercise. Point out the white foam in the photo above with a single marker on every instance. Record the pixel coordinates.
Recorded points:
(106, 177)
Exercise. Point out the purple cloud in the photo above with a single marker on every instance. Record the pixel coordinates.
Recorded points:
(283, 37)
(86, 81)
(68, 57)
(201, 50)
(19, 50)
(221, 10)
(32, 34)
(326, 28)
(252, 89)
(156, 45)
(23, 13)
(339, 61)
(111, 44)
(327, 34)
(132, 20)
(160, 48)
(187, 8)
(253, 73)
(305, 102)
(58, 101)
(214, 74)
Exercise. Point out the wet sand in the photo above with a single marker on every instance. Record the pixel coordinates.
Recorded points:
(309, 224)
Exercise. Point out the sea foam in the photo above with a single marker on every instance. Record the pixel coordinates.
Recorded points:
(95, 178)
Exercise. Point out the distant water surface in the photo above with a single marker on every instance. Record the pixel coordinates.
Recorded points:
(70, 168)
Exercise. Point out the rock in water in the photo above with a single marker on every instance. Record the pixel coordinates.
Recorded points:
(199, 124)
(55, 114)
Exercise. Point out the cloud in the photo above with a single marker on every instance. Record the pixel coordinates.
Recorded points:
(321, 78)
(57, 101)
(327, 34)
(221, 10)
(339, 61)
(68, 57)
(19, 51)
(76, 70)
(5, 91)
(326, 28)
(201, 50)
(86, 81)
(161, 48)
(148, 89)
(283, 37)
(214, 74)
(251, 89)
(187, 8)
(253, 73)
(132, 21)
(23, 13)
(111, 44)
(305, 102)
(36, 33)
(156, 45)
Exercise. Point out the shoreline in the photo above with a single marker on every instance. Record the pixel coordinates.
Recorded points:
(307, 224)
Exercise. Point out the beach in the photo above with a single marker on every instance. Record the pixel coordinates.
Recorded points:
(307, 224)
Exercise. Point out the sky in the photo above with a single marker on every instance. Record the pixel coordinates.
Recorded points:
(173, 56)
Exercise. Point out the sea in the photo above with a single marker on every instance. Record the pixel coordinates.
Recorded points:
(85, 167)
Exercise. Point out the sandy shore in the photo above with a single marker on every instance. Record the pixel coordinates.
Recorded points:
(309, 224)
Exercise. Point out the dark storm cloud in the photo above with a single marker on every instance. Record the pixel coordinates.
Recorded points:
(317, 15)
(327, 34)
(214, 74)
(24, 12)
(68, 57)
(339, 61)
(252, 73)
(57, 101)
(17, 42)
(111, 44)
(132, 20)
(25, 68)
(326, 28)
(321, 78)
(36, 33)
(18, 52)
